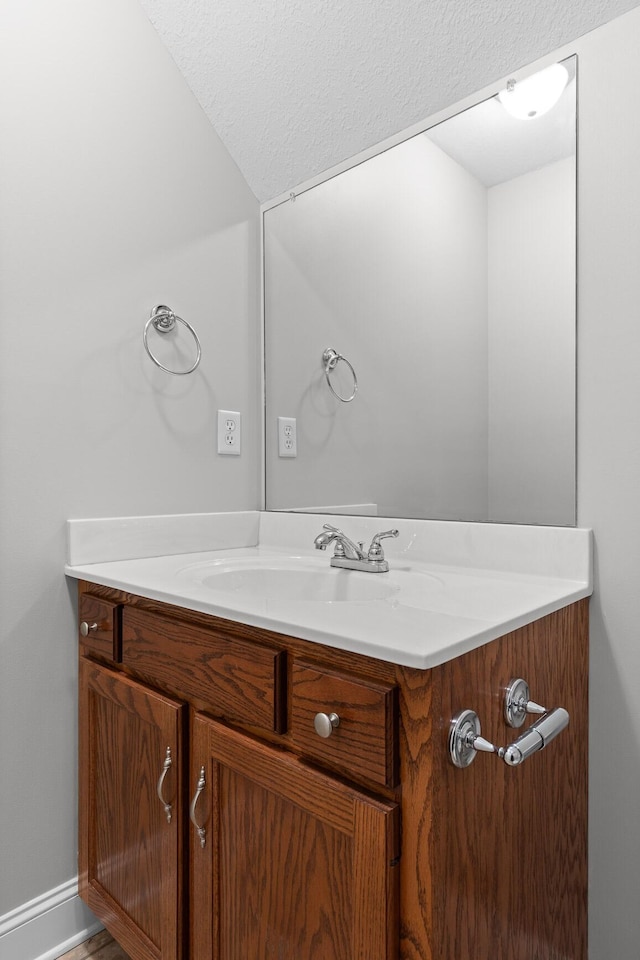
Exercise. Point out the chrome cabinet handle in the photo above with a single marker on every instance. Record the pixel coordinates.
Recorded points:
(325, 723)
(87, 628)
(165, 769)
(192, 810)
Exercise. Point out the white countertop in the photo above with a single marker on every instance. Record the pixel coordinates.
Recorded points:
(451, 586)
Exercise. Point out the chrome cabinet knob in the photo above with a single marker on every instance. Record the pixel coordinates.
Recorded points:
(87, 628)
(325, 723)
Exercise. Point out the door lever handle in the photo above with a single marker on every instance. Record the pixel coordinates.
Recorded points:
(537, 737)
(465, 738)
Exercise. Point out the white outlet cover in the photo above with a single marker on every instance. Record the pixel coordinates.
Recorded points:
(287, 437)
(229, 433)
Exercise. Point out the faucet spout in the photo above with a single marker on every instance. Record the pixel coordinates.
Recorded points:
(322, 541)
(344, 546)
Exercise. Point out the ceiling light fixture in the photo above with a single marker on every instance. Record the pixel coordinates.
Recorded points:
(535, 95)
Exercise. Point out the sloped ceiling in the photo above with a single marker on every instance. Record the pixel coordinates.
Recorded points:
(294, 87)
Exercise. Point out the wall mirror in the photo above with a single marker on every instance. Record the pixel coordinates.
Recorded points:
(443, 271)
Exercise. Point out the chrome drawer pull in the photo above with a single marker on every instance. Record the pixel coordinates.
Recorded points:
(192, 811)
(325, 723)
(165, 769)
(87, 628)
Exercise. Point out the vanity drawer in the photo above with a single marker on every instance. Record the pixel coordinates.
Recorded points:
(363, 743)
(235, 679)
(99, 626)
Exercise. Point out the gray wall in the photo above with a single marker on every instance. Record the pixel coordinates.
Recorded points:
(609, 466)
(115, 195)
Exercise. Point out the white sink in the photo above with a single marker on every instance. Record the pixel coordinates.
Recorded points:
(451, 586)
(291, 578)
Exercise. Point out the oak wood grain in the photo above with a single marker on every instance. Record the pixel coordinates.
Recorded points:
(298, 864)
(129, 853)
(238, 680)
(493, 860)
(363, 746)
(418, 871)
(105, 615)
(510, 848)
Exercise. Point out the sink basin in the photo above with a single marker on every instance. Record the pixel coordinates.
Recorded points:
(292, 579)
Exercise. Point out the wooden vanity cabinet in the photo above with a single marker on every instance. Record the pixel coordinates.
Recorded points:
(130, 851)
(366, 845)
(292, 862)
(262, 854)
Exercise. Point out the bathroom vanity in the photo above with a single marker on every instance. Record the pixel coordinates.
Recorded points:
(249, 793)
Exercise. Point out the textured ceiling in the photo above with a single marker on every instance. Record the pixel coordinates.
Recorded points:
(294, 87)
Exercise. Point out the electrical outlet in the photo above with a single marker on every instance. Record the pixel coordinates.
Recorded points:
(229, 433)
(287, 437)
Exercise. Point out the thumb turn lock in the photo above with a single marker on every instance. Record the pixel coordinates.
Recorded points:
(465, 734)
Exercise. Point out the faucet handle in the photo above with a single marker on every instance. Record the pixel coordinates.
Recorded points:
(375, 550)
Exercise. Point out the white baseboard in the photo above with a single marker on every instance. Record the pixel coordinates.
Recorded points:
(47, 927)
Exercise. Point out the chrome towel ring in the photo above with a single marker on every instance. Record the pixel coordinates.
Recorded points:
(330, 360)
(164, 319)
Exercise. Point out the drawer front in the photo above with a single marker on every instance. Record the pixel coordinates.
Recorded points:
(99, 626)
(235, 679)
(363, 743)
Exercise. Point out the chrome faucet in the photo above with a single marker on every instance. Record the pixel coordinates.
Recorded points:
(353, 556)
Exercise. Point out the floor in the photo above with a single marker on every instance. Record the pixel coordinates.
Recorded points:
(100, 947)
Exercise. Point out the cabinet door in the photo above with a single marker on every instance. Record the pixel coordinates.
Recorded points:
(130, 811)
(288, 862)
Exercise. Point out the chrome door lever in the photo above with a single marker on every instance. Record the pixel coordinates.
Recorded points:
(537, 737)
(465, 738)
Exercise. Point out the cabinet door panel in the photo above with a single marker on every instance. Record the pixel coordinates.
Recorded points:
(295, 863)
(129, 849)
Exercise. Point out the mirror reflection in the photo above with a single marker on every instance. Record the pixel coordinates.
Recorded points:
(436, 283)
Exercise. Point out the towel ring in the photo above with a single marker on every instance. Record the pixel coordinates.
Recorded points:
(164, 319)
(330, 360)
